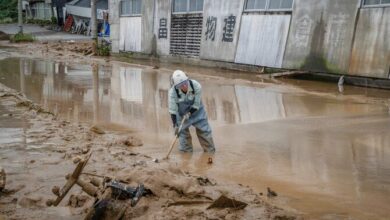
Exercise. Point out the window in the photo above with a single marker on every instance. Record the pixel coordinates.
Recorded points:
(269, 5)
(186, 6)
(130, 7)
(376, 2)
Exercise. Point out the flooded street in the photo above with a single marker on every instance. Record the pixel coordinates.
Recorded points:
(326, 153)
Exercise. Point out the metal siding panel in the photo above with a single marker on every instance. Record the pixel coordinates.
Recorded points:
(131, 34)
(371, 49)
(263, 39)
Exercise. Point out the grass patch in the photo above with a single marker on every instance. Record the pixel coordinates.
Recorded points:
(20, 37)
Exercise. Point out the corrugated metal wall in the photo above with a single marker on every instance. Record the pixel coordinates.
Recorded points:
(262, 39)
(130, 34)
(186, 33)
(371, 48)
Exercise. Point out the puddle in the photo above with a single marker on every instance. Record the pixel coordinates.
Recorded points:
(326, 153)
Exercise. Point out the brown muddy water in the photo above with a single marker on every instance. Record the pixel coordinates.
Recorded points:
(326, 152)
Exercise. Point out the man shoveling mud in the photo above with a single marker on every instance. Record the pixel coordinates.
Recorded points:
(185, 104)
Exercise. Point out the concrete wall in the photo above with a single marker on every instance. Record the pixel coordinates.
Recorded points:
(113, 7)
(162, 24)
(130, 34)
(147, 26)
(371, 48)
(321, 35)
(263, 39)
(214, 14)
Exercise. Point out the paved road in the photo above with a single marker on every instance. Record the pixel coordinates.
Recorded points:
(41, 33)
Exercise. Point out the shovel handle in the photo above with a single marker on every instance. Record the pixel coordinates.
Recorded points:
(176, 137)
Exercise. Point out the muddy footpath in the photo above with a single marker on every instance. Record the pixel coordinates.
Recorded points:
(63, 170)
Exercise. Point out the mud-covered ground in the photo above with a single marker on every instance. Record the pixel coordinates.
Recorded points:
(79, 51)
(48, 148)
(324, 150)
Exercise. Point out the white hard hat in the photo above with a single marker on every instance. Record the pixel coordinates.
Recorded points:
(178, 77)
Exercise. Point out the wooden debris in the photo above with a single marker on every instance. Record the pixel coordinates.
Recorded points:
(225, 202)
(71, 180)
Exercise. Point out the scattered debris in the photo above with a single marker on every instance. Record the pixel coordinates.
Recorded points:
(13, 190)
(77, 201)
(131, 141)
(204, 181)
(2, 179)
(225, 202)
(76, 159)
(271, 193)
(4, 36)
(189, 202)
(97, 130)
(142, 191)
(31, 202)
(71, 180)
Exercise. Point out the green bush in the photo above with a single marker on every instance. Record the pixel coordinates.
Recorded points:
(19, 37)
(103, 50)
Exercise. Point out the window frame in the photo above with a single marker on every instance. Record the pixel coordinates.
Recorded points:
(267, 9)
(129, 15)
(380, 5)
(187, 10)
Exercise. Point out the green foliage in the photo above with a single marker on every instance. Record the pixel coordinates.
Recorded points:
(8, 11)
(19, 37)
(40, 22)
(53, 20)
(103, 50)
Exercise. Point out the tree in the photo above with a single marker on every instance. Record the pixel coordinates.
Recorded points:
(9, 9)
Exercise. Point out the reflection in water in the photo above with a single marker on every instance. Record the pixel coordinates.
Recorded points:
(324, 145)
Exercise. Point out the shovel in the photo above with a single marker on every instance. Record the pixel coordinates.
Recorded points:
(176, 137)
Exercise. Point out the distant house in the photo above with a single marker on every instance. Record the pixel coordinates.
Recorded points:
(82, 8)
(80, 12)
(39, 10)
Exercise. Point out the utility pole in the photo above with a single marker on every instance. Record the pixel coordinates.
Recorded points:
(20, 16)
(94, 25)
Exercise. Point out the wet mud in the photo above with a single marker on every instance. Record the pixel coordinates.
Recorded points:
(323, 151)
(39, 154)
